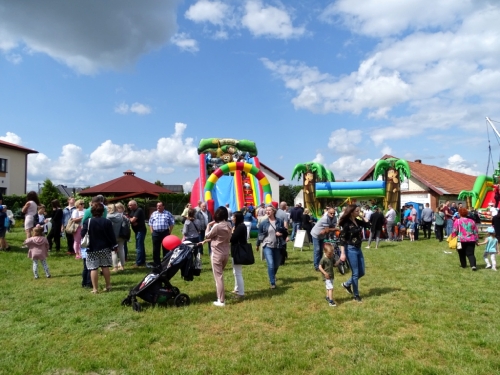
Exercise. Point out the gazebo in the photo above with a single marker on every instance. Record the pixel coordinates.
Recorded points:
(127, 186)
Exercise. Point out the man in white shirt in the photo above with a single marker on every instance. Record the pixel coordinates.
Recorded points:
(367, 215)
(390, 216)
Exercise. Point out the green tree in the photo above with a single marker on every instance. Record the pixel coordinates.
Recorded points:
(159, 183)
(288, 193)
(48, 193)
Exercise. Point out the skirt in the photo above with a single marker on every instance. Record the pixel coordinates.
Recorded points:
(100, 258)
(28, 222)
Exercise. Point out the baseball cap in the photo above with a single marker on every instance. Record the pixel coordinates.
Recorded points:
(490, 230)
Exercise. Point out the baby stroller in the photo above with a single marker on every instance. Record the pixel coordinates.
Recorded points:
(156, 287)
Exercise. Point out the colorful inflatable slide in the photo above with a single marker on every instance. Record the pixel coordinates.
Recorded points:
(230, 174)
(482, 192)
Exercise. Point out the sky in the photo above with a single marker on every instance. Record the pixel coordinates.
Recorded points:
(100, 87)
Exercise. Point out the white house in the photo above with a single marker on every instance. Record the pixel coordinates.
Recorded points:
(13, 168)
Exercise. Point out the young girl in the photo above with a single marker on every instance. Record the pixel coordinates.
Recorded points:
(402, 231)
(38, 250)
(326, 268)
(491, 249)
(410, 225)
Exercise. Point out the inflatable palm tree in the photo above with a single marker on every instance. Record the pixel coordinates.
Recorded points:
(312, 173)
(392, 169)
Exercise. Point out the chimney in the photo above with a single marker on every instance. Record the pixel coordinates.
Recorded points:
(419, 161)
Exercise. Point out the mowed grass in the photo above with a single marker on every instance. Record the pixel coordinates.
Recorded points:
(421, 314)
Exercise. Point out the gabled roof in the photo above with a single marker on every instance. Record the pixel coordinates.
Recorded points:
(128, 184)
(17, 147)
(280, 177)
(442, 181)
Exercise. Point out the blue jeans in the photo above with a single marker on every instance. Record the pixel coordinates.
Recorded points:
(295, 228)
(357, 263)
(318, 251)
(273, 260)
(449, 226)
(140, 250)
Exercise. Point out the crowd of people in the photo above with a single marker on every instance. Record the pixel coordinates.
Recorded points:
(109, 225)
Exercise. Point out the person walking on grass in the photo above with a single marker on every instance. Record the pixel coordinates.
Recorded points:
(351, 236)
(239, 236)
(3, 228)
(466, 231)
(491, 250)
(102, 243)
(38, 250)
(219, 232)
(326, 268)
(55, 229)
(376, 222)
(410, 228)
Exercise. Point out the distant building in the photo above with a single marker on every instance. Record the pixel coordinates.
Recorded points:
(13, 168)
(178, 189)
(429, 184)
(68, 191)
(274, 180)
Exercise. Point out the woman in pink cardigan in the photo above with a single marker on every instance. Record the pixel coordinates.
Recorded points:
(466, 231)
(219, 233)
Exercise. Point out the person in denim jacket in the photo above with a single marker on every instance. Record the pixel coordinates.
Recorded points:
(272, 236)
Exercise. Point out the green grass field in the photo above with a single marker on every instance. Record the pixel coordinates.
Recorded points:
(421, 314)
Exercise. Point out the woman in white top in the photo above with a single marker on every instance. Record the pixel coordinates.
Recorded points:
(77, 216)
(30, 210)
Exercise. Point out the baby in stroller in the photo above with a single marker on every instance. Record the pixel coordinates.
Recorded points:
(156, 287)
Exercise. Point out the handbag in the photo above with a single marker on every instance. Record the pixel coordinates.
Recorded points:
(71, 227)
(452, 242)
(242, 253)
(86, 239)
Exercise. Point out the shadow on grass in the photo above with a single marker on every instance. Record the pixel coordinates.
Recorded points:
(380, 291)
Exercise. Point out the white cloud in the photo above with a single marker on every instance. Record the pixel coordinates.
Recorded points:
(13, 58)
(459, 164)
(185, 43)
(140, 109)
(69, 166)
(11, 138)
(38, 166)
(188, 186)
(165, 170)
(386, 150)
(214, 12)
(343, 141)
(88, 36)
(137, 108)
(434, 69)
(177, 151)
(319, 159)
(350, 167)
(269, 21)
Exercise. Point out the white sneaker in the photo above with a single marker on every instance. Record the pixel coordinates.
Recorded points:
(494, 269)
(367, 247)
(488, 266)
(219, 304)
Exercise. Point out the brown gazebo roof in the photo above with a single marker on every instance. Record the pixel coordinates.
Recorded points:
(127, 186)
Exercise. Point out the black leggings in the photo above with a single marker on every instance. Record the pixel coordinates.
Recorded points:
(439, 232)
(467, 251)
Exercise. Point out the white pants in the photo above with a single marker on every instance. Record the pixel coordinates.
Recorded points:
(239, 285)
(119, 256)
(493, 258)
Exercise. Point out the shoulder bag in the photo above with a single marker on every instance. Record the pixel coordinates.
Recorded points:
(86, 239)
(71, 227)
(242, 253)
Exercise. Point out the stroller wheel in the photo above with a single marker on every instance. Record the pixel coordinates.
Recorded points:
(126, 302)
(136, 306)
(182, 300)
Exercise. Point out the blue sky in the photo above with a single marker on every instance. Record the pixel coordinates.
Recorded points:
(101, 87)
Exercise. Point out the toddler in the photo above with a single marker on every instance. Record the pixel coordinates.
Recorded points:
(491, 249)
(38, 249)
(410, 227)
(402, 231)
(326, 268)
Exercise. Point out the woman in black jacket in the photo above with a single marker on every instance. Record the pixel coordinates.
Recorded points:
(307, 224)
(56, 221)
(102, 243)
(239, 236)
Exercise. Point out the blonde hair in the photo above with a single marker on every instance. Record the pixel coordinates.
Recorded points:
(306, 211)
(38, 231)
(79, 202)
(120, 206)
(111, 208)
(327, 248)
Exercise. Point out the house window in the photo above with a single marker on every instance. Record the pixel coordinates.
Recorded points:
(3, 165)
(3, 191)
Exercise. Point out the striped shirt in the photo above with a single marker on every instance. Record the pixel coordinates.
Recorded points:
(161, 221)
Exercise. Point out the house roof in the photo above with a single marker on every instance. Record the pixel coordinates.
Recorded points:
(442, 181)
(127, 185)
(17, 147)
(68, 191)
(280, 177)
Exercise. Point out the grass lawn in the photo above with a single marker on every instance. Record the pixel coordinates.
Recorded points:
(421, 314)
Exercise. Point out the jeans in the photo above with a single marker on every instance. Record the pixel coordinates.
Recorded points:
(86, 282)
(273, 260)
(157, 238)
(357, 263)
(295, 228)
(318, 251)
(449, 226)
(140, 250)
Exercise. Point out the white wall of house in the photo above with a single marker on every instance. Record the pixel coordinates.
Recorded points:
(14, 180)
(274, 182)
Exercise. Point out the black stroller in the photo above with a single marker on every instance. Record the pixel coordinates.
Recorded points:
(156, 288)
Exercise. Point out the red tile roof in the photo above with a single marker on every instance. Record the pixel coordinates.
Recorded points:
(128, 184)
(442, 181)
(17, 147)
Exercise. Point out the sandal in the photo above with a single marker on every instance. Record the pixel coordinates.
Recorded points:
(94, 291)
(107, 289)
(234, 292)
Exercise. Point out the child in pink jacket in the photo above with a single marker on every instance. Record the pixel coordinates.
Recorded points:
(38, 249)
